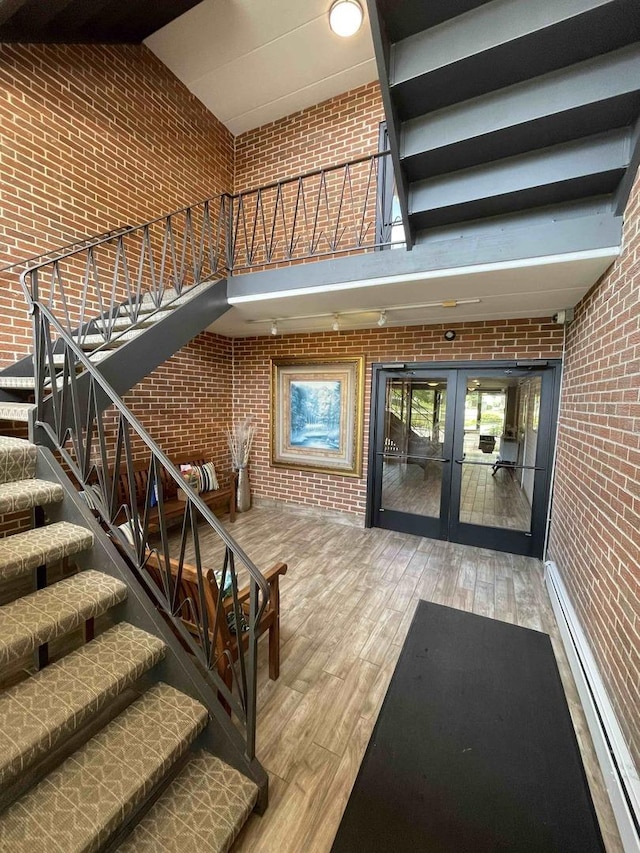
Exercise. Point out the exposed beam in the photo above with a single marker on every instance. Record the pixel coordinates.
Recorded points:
(588, 167)
(517, 239)
(41, 14)
(501, 43)
(626, 184)
(587, 98)
(408, 17)
(8, 9)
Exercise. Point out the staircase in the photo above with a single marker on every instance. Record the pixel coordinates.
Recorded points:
(104, 748)
(130, 739)
(126, 348)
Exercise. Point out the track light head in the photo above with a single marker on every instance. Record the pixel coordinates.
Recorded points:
(274, 327)
(382, 319)
(336, 323)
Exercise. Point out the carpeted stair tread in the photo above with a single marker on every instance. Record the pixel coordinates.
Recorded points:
(41, 712)
(16, 411)
(25, 494)
(77, 807)
(48, 613)
(203, 809)
(17, 459)
(25, 551)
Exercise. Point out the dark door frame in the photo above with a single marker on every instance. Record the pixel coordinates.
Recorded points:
(546, 443)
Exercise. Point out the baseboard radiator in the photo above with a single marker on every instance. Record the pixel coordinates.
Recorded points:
(619, 772)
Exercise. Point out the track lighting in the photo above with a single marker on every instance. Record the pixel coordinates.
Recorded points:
(383, 315)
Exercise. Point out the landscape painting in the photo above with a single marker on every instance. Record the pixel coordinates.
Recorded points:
(316, 414)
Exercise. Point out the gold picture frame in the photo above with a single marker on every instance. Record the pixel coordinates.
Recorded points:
(317, 414)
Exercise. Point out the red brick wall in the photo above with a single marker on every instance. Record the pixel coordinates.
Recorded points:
(340, 129)
(500, 339)
(595, 532)
(93, 137)
(185, 404)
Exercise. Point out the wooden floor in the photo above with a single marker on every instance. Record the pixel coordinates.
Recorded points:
(492, 500)
(347, 603)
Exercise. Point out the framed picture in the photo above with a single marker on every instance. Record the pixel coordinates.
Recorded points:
(316, 414)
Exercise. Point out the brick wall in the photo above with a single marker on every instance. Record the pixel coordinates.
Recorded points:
(185, 404)
(595, 538)
(93, 137)
(340, 129)
(500, 339)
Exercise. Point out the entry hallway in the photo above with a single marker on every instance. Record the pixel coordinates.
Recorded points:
(347, 603)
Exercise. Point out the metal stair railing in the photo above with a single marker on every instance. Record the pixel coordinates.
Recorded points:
(79, 432)
(114, 276)
(95, 285)
(335, 210)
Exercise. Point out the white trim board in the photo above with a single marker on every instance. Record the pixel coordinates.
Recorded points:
(618, 770)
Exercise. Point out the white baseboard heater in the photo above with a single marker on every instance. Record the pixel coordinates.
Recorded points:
(619, 772)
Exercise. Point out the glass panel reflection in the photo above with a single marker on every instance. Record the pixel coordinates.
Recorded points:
(415, 412)
(500, 436)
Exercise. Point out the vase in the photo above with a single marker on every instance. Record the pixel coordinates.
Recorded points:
(243, 497)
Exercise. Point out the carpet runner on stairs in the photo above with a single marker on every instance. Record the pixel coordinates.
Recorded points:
(67, 788)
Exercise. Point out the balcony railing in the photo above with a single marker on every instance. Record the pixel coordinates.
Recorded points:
(340, 209)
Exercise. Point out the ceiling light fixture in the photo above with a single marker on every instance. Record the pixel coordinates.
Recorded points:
(382, 319)
(336, 323)
(345, 17)
(274, 327)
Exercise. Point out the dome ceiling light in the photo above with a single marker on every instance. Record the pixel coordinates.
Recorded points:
(345, 17)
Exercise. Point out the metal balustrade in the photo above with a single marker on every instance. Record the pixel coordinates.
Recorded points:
(105, 287)
(77, 428)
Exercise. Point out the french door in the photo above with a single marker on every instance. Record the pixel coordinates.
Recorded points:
(464, 453)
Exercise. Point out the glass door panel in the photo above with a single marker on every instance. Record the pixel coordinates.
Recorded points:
(492, 492)
(500, 479)
(412, 460)
(464, 454)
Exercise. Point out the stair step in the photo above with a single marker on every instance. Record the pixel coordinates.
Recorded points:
(203, 809)
(25, 551)
(59, 358)
(40, 713)
(16, 411)
(18, 383)
(25, 494)
(91, 342)
(82, 803)
(17, 459)
(145, 320)
(48, 613)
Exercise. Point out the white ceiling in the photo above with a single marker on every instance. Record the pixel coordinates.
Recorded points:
(253, 61)
(532, 288)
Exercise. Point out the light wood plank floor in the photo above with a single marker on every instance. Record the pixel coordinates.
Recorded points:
(347, 603)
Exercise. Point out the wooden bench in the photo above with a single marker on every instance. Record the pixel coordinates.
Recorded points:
(223, 498)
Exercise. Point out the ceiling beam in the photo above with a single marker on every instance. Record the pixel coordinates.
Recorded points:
(587, 167)
(502, 43)
(517, 240)
(581, 100)
(8, 9)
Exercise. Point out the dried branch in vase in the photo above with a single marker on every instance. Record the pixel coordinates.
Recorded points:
(240, 439)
